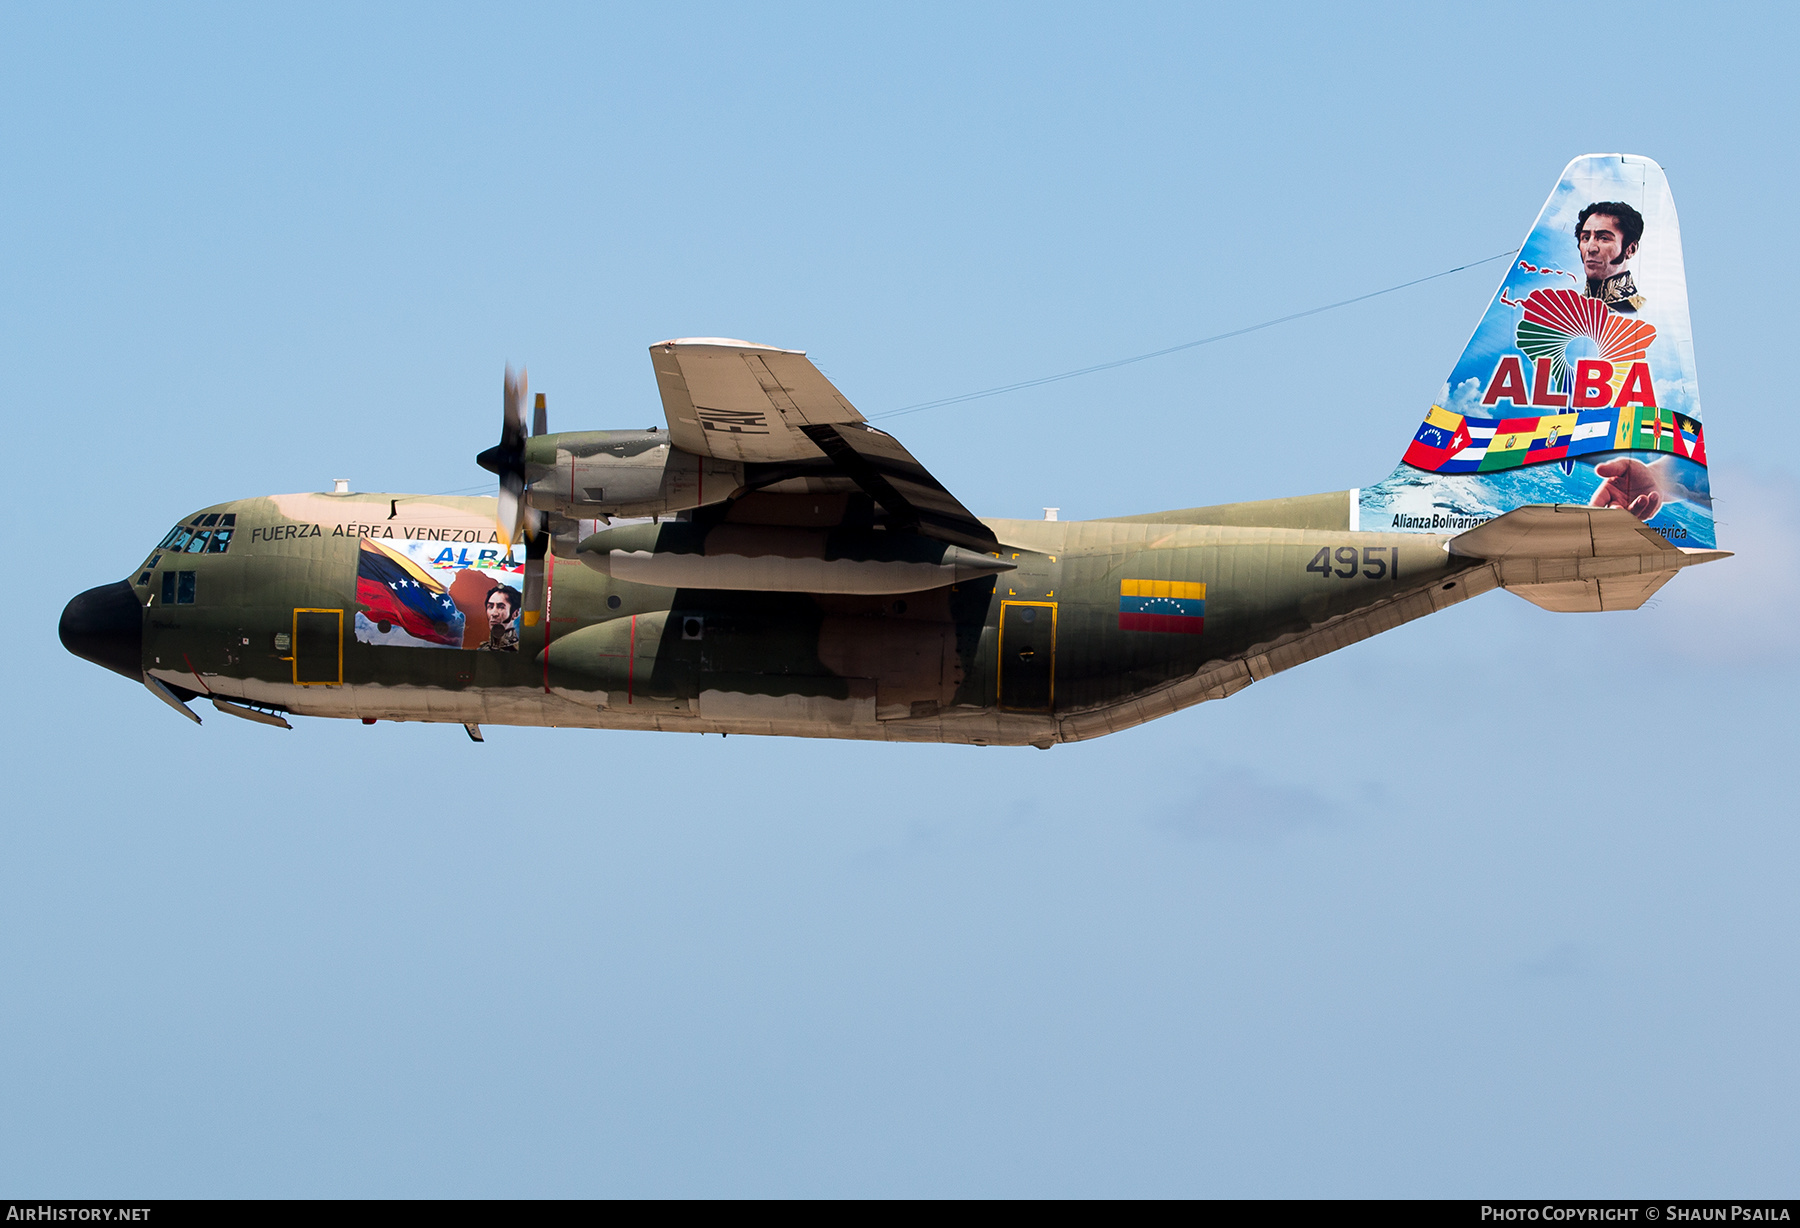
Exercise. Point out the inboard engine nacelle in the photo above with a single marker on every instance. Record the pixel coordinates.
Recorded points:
(590, 474)
(769, 558)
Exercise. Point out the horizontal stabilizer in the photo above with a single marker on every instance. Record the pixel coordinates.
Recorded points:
(1575, 559)
(1561, 531)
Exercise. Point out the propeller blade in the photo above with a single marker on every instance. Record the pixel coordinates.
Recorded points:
(512, 427)
(511, 520)
(507, 459)
(534, 519)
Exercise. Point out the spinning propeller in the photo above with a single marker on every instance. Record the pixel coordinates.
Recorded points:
(507, 460)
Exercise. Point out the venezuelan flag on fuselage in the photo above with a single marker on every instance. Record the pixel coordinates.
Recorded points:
(399, 591)
(1162, 605)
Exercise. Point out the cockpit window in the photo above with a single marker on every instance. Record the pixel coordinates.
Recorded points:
(208, 533)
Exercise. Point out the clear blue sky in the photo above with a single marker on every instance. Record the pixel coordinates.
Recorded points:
(1498, 903)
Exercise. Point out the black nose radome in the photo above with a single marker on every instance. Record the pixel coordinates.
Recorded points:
(105, 625)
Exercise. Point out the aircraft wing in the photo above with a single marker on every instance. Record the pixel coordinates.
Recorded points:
(743, 402)
(757, 404)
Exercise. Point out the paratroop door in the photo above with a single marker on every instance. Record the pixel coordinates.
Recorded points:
(318, 647)
(1027, 674)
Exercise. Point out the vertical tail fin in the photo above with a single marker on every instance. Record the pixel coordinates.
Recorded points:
(1578, 385)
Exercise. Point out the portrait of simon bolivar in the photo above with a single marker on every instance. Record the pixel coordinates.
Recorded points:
(1608, 233)
(502, 607)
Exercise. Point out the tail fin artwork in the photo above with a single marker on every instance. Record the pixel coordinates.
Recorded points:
(1578, 387)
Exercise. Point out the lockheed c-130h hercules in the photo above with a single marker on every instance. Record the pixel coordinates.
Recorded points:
(770, 563)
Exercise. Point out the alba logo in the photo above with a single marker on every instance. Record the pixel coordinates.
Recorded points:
(1553, 319)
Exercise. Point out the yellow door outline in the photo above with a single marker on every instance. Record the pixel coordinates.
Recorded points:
(295, 642)
(1000, 654)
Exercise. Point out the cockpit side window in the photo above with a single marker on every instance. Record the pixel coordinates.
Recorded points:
(197, 543)
(177, 538)
(178, 588)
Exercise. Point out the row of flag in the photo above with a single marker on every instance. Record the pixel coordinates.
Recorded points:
(1450, 442)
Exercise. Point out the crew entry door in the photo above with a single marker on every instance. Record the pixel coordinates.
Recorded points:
(1026, 679)
(318, 647)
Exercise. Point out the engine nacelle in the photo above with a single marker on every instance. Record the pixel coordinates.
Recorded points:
(769, 558)
(591, 474)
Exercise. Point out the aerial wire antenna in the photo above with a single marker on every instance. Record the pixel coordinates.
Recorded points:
(1162, 353)
(1186, 345)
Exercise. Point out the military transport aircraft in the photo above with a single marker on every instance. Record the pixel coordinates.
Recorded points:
(770, 563)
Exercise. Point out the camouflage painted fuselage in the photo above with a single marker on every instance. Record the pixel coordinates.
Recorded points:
(769, 561)
(1036, 655)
